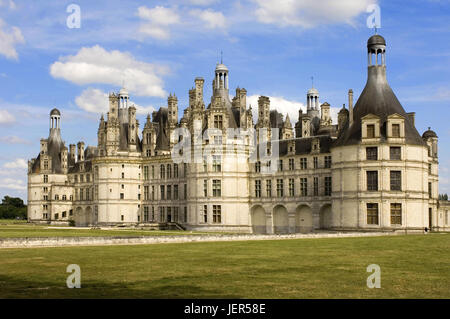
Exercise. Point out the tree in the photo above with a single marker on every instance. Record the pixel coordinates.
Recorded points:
(13, 207)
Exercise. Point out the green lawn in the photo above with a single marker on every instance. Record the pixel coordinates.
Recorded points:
(413, 266)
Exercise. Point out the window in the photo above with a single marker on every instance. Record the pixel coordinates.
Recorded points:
(372, 180)
(316, 186)
(258, 167)
(175, 170)
(45, 178)
(162, 191)
(153, 192)
(96, 192)
(145, 172)
(395, 153)
(121, 196)
(280, 188)
(169, 214)
(303, 186)
(56, 216)
(71, 212)
(316, 162)
(291, 187)
(162, 171)
(205, 164)
(161, 214)
(396, 214)
(153, 171)
(145, 192)
(45, 189)
(430, 191)
(123, 175)
(175, 191)
(45, 197)
(205, 213)
(63, 214)
(218, 140)
(205, 187)
(429, 169)
(218, 121)
(217, 192)
(217, 214)
(269, 188)
(45, 164)
(370, 131)
(328, 186)
(169, 171)
(372, 213)
(81, 194)
(185, 191)
(88, 178)
(145, 213)
(396, 180)
(217, 163)
(372, 153)
(96, 172)
(291, 164)
(395, 130)
(327, 161)
(169, 192)
(64, 197)
(121, 217)
(280, 165)
(56, 197)
(303, 163)
(257, 188)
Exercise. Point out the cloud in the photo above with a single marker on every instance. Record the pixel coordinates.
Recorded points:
(12, 139)
(18, 163)
(12, 183)
(97, 65)
(6, 117)
(213, 19)
(202, 2)
(308, 13)
(96, 101)
(9, 38)
(157, 21)
(8, 3)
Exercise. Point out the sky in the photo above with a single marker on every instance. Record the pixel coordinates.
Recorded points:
(70, 55)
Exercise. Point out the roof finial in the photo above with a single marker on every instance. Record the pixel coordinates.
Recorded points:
(375, 28)
(221, 57)
(312, 81)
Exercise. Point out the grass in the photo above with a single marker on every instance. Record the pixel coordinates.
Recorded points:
(413, 266)
(9, 229)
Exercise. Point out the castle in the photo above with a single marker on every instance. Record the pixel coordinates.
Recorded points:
(371, 170)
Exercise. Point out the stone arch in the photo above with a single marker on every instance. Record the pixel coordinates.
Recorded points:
(78, 216)
(325, 217)
(303, 219)
(89, 220)
(258, 220)
(280, 220)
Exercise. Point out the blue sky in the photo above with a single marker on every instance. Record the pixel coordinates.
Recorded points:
(272, 47)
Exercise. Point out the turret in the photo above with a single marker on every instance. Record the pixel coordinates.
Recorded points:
(172, 104)
(431, 139)
(342, 118)
(72, 154)
(80, 151)
(133, 127)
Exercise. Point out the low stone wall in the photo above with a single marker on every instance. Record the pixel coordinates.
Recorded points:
(145, 240)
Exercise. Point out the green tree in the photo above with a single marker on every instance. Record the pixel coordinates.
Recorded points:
(13, 207)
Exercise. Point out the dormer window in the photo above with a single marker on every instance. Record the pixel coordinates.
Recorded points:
(395, 130)
(370, 131)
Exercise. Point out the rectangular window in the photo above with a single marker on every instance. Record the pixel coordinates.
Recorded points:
(146, 172)
(257, 188)
(56, 216)
(217, 214)
(218, 121)
(145, 192)
(64, 197)
(303, 186)
(291, 164)
(258, 167)
(169, 192)
(153, 192)
(303, 163)
(316, 162)
(217, 163)
(56, 197)
(316, 186)
(370, 131)
(372, 153)
(45, 178)
(291, 187)
(327, 162)
(217, 189)
(175, 170)
(396, 180)
(185, 191)
(162, 171)
(395, 130)
(45, 164)
(372, 213)
(328, 186)
(395, 153)
(269, 188)
(175, 191)
(396, 214)
(145, 213)
(205, 164)
(280, 165)
(205, 187)
(430, 191)
(162, 191)
(205, 213)
(280, 188)
(169, 171)
(121, 196)
(64, 214)
(153, 171)
(372, 180)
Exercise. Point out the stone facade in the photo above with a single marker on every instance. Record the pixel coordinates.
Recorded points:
(370, 171)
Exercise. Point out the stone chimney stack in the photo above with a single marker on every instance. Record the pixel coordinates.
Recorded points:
(80, 151)
(350, 107)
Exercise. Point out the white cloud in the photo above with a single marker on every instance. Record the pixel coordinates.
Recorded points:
(18, 163)
(12, 139)
(9, 38)
(97, 65)
(6, 117)
(202, 2)
(309, 13)
(8, 3)
(213, 19)
(12, 183)
(96, 101)
(157, 21)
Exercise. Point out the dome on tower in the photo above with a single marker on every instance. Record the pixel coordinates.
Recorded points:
(429, 133)
(376, 40)
(123, 91)
(221, 67)
(313, 91)
(55, 111)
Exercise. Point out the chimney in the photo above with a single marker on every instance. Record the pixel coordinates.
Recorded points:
(80, 151)
(72, 155)
(350, 107)
(412, 118)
